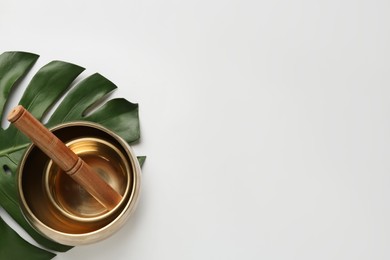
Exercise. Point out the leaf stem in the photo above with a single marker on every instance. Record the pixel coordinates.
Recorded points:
(13, 149)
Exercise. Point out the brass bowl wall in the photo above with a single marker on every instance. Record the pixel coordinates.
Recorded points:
(62, 211)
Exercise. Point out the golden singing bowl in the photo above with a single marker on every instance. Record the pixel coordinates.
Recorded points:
(57, 207)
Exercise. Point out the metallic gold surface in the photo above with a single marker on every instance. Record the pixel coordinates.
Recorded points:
(71, 199)
(58, 207)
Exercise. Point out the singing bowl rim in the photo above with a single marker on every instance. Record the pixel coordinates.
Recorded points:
(74, 239)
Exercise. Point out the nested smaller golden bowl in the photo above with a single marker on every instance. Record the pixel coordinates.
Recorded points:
(57, 207)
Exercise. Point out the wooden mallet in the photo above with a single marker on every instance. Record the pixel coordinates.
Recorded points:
(64, 157)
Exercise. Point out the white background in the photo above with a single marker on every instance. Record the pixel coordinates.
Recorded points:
(266, 123)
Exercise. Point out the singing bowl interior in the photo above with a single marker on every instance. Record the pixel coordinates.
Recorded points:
(70, 198)
(59, 208)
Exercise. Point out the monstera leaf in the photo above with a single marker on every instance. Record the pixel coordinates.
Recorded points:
(17, 248)
(47, 86)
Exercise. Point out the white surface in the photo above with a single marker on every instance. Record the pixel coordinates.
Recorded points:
(266, 123)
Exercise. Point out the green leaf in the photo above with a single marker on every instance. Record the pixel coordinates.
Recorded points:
(82, 102)
(14, 247)
(141, 160)
(13, 66)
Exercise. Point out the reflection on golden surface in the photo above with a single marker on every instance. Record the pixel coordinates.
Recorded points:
(69, 197)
